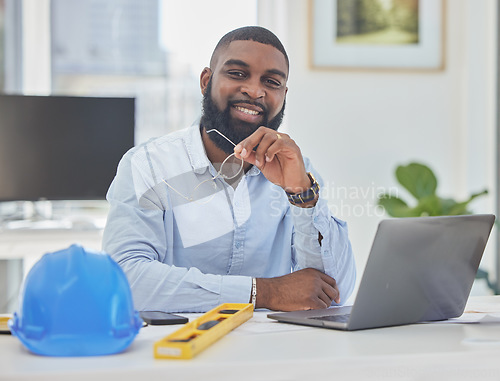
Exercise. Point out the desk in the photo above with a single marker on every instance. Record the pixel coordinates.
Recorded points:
(262, 349)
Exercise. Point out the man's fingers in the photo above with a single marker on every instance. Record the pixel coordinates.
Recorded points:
(328, 279)
(243, 154)
(331, 288)
(264, 139)
(332, 293)
(301, 290)
(245, 147)
(269, 146)
(325, 299)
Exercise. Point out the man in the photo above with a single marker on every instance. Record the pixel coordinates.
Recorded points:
(223, 211)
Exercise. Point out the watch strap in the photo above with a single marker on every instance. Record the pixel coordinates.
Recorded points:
(306, 196)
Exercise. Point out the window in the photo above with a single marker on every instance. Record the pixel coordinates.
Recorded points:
(153, 50)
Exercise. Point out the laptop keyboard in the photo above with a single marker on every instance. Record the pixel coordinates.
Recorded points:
(344, 318)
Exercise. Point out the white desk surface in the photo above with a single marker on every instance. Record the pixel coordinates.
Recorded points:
(262, 349)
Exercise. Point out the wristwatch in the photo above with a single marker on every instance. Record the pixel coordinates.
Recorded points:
(306, 196)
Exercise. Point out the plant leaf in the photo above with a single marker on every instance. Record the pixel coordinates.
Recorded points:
(429, 206)
(457, 208)
(395, 207)
(418, 179)
(452, 208)
(475, 195)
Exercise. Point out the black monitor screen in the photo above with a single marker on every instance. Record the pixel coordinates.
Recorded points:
(62, 148)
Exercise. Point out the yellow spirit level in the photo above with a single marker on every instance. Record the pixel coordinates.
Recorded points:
(4, 328)
(195, 336)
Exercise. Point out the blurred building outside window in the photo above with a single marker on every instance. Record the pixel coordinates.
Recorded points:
(153, 50)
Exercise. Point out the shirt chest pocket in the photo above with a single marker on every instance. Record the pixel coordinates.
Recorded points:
(200, 222)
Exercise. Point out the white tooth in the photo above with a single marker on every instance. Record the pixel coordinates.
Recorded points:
(246, 111)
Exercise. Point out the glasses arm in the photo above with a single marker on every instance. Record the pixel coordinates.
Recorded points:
(221, 134)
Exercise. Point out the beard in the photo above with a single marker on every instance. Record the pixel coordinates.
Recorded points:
(234, 130)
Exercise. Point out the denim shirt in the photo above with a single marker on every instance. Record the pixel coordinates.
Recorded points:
(188, 243)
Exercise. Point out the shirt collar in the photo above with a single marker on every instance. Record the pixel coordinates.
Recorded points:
(254, 171)
(196, 150)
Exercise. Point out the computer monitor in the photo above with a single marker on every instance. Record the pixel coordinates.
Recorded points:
(62, 147)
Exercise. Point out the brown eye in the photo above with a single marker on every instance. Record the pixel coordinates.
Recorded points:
(273, 83)
(236, 74)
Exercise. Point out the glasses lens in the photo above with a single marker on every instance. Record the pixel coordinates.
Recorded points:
(205, 191)
(231, 167)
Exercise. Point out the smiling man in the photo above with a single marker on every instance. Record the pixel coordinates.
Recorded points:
(228, 210)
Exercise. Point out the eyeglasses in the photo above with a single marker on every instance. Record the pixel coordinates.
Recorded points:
(233, 164)
(205, 191)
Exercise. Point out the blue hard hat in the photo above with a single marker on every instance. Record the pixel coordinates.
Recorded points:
(76, 302)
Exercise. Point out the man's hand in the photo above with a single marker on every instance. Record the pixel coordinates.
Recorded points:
(301, 290)
(277, 156)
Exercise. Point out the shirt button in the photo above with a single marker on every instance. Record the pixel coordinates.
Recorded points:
(238, 245)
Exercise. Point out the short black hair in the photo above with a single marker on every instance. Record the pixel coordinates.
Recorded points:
(253, 33)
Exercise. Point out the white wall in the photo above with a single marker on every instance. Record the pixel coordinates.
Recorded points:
(36, 47)
(357, 126)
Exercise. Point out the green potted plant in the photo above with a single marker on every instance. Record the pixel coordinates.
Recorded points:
(420, 181)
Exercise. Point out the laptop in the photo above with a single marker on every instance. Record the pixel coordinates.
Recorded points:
(419, 269)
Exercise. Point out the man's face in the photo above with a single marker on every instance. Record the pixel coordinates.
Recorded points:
(245, 89)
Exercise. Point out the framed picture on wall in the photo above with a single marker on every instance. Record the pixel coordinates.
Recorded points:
(377, 34)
